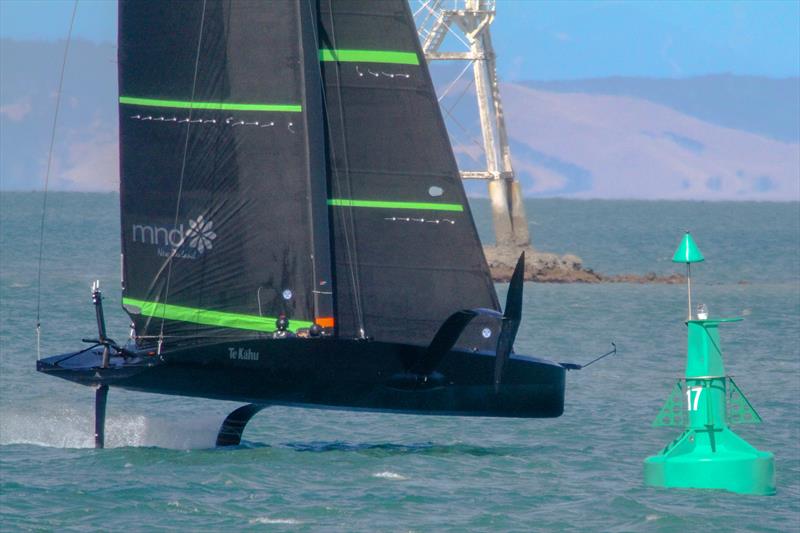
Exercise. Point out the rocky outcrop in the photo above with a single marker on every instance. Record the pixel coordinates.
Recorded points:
(552, 268)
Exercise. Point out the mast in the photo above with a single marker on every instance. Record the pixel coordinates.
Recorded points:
(316, 150)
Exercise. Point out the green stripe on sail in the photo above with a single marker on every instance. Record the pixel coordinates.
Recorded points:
(369, 56)
(210, 318)
(226, 106)
(430, 206)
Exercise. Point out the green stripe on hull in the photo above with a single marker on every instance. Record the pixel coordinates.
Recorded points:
(222, 106)
(210, 318)
(429, 206)
(369, 56)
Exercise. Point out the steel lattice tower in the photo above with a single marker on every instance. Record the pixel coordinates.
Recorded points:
(469, 22)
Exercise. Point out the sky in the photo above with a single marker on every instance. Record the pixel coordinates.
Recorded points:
(538, 39)
(582, 39)
(535, 40)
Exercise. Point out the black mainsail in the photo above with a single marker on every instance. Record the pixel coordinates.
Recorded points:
(221, 164)
(289, 158)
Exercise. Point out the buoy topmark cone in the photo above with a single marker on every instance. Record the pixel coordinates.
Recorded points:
(687, 251)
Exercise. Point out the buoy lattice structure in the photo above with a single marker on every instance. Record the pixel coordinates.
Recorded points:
(708, 454)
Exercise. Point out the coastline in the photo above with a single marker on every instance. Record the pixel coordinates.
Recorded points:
(545, 267)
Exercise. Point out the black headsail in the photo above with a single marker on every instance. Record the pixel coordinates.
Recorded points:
(406, 251)
(224, 223)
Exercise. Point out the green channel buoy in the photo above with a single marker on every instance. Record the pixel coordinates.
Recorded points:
(708, 454)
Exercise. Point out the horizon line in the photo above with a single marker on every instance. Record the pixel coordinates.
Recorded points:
(482, 197)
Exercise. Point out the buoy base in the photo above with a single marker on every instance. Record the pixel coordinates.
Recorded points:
(712, 459)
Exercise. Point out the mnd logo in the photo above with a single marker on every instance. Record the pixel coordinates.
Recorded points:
(178, 241)
(200, 234)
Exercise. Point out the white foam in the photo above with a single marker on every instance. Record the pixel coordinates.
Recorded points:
(389, 475)
(267, 520)
(69, 428)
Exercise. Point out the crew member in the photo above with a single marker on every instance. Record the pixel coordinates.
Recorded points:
(282, 328)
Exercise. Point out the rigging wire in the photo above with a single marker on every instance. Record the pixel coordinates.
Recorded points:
(449, 111)
(183, 170)
(47, 183)
(466, 131)
(453, 83)
(423, 5)
(458, 98)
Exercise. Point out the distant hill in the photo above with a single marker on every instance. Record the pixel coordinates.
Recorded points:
(600, 146)
(708, 138)
(769, 107)
(714, 137)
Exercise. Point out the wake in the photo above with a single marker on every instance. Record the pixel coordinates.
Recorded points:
(69, 428)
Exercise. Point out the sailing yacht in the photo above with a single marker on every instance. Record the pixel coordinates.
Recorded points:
(294, 228)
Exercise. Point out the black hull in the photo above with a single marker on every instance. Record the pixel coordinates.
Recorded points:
(329, 373)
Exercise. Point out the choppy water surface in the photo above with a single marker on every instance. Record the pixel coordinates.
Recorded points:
(303, 469)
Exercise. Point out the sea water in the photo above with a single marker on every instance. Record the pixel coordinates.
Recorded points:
(306, 469)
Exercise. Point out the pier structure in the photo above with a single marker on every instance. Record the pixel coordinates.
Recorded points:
(469, 22)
